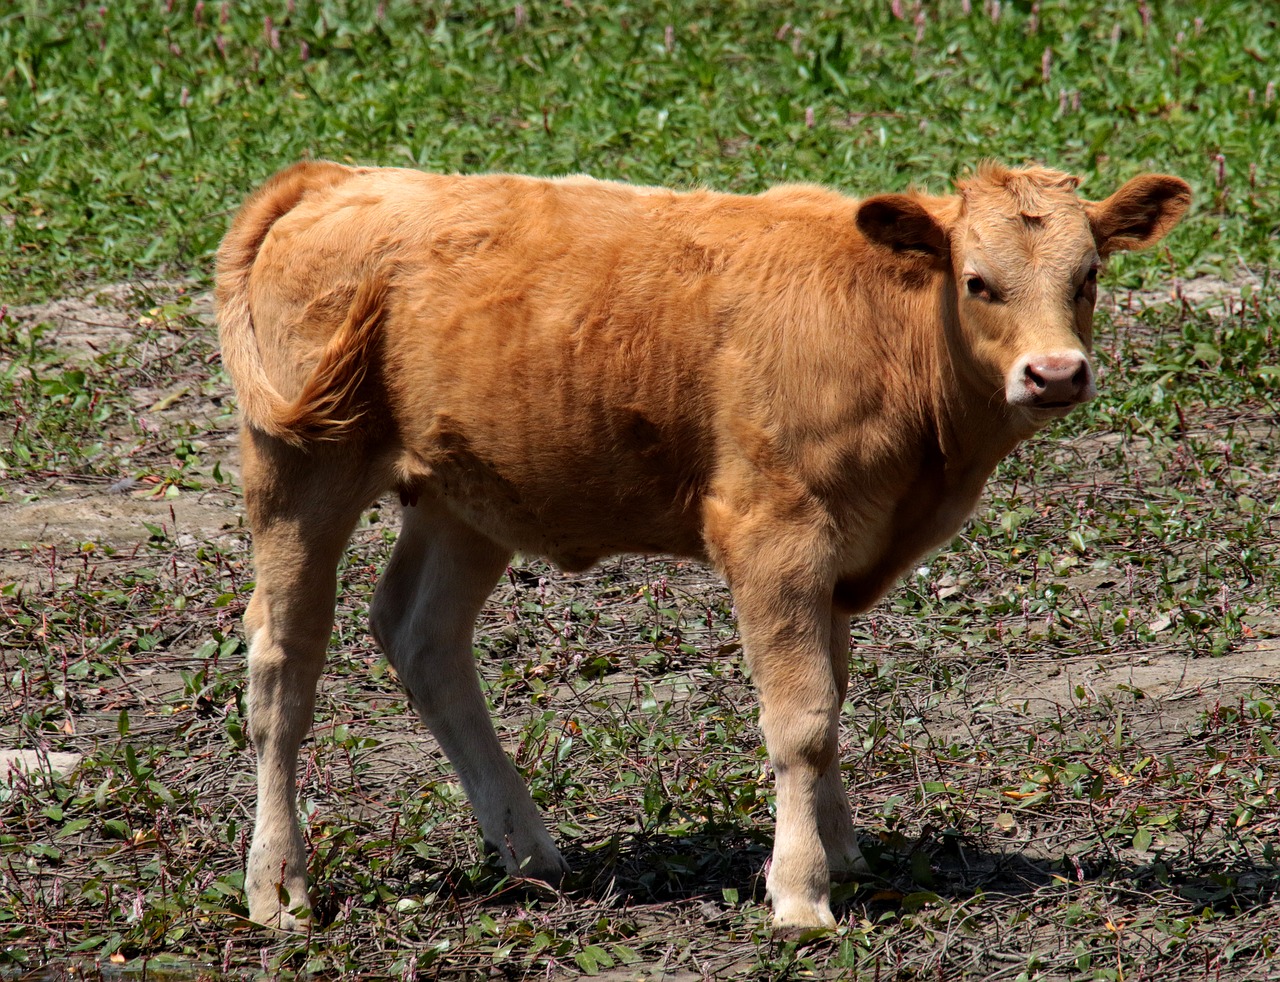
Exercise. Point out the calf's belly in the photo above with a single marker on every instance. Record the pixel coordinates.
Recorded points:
(565, 503)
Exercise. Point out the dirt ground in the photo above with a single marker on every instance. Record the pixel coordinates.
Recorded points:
(66, 535)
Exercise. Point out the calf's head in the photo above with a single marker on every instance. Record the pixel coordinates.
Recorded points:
(1021, 253)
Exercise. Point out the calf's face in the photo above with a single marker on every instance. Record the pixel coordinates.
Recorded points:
(1025, 265)
(1023, 252)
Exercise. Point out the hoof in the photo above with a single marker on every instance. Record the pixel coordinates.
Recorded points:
(275, 908)
(295, 921)
(803, 914)
(808, 909)
(543, 863)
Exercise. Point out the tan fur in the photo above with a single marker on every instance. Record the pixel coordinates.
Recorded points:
(806, 390)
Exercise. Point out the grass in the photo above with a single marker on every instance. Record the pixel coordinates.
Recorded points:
(1062, 733)
(130, 133)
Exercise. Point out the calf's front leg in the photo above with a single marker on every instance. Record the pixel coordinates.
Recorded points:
(835, 818)
(786, 620)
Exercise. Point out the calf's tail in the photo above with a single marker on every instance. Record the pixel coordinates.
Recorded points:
(325, 409)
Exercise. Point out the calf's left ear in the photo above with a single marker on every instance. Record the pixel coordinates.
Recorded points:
(1140, 214)
(902, 223)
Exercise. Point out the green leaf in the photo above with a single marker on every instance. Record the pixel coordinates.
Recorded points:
(72, 827)
(628, 956)
(1268, 747)
(921, 870)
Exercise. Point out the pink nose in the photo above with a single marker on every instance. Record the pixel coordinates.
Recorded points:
(1056, 380)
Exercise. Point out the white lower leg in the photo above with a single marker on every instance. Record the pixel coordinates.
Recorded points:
(509, 820)
(799, 884)
(835, 825)
(423, 615)
(281, 700)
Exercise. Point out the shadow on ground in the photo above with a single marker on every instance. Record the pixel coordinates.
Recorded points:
(721, 865)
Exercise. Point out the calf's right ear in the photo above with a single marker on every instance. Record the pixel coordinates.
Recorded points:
(903, 224)
(1140, 214)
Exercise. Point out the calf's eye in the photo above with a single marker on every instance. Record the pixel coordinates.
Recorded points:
(1089, 288)
(977, 287)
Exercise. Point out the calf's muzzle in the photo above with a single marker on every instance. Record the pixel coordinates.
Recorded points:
(1055, 380)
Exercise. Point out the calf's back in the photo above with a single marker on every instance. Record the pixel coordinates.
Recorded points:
(576, 365)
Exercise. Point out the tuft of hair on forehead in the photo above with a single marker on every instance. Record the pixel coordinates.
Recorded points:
(1034, 191)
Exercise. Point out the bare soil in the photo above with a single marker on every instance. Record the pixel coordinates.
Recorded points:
(69, 535)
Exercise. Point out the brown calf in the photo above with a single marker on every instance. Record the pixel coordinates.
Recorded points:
(805, 390)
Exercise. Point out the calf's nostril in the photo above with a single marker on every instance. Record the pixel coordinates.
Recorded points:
(1055, 379)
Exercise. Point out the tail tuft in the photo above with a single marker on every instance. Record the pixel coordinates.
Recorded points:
(324, 410)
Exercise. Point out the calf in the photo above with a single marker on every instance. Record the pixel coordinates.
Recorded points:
(805, 390)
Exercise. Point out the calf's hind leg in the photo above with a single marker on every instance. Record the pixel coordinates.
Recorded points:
(302, 512)
(423, 615)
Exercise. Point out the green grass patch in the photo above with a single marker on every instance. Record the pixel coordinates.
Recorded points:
(131, 131)
(1061, 735)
